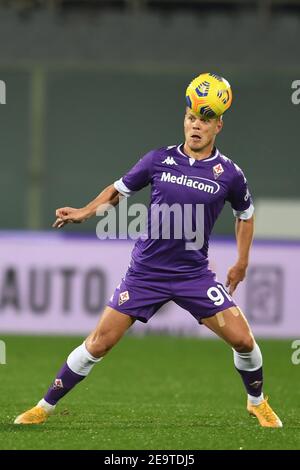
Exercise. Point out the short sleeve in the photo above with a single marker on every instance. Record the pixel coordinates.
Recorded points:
(239, 196)
(138, 176)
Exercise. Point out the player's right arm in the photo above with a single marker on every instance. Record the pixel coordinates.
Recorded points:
(68, 215)
(137, 178)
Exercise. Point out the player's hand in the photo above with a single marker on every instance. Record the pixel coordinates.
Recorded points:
(235, 275)
(69, 215)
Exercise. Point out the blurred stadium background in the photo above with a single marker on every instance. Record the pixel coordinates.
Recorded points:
(91, 85)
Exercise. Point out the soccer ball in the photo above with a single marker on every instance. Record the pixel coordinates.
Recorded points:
(209, 95)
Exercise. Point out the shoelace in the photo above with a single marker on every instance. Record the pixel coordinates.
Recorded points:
(267, 411)
(34, 414)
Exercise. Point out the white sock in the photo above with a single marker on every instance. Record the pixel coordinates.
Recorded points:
(248, 361)
(81, 361)
(46, 406)
(256, 400)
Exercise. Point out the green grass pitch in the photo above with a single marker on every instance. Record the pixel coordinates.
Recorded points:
(151, 392)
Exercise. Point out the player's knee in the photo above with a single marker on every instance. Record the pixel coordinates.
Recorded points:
(100, 344)
(244, 343)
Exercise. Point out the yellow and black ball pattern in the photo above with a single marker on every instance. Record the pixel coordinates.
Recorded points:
(209, 95)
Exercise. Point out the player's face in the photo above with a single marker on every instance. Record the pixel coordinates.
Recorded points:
(200, 133)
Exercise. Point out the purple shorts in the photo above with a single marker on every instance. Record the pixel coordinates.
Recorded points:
(141, 294)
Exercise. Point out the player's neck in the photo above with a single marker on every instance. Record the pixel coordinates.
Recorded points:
(199, 154)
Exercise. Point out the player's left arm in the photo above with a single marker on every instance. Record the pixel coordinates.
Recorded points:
(241, 201)
(244, 230)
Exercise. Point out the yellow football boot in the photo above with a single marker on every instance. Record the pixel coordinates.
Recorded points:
(264, 414)
(36, 415)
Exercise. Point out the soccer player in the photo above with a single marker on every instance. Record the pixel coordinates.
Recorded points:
(193, 174)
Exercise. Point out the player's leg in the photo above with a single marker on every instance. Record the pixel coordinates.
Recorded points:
(138, 296)
(111, 327)
(232, 326)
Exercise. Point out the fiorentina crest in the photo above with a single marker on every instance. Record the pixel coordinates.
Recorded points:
(57, 384)
(218, 170)
(123, 297)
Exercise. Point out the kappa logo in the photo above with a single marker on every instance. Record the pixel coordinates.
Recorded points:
(247, 195)
(218, 170)
(170, 161)
(123, 297)
(57, 384)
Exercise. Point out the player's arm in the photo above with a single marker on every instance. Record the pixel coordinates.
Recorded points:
(241, 202)
(137, 178)
(244, 230)
(107, 198)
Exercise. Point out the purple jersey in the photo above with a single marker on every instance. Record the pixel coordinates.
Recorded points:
(178, 179)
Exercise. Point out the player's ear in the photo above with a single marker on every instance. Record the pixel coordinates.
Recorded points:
(219, 125)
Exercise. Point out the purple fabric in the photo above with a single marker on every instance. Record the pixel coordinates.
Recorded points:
(177, 179)
(253, 381)
(65, 380)
(142, 293)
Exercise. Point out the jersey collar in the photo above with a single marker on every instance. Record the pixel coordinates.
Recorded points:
(213, 155)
